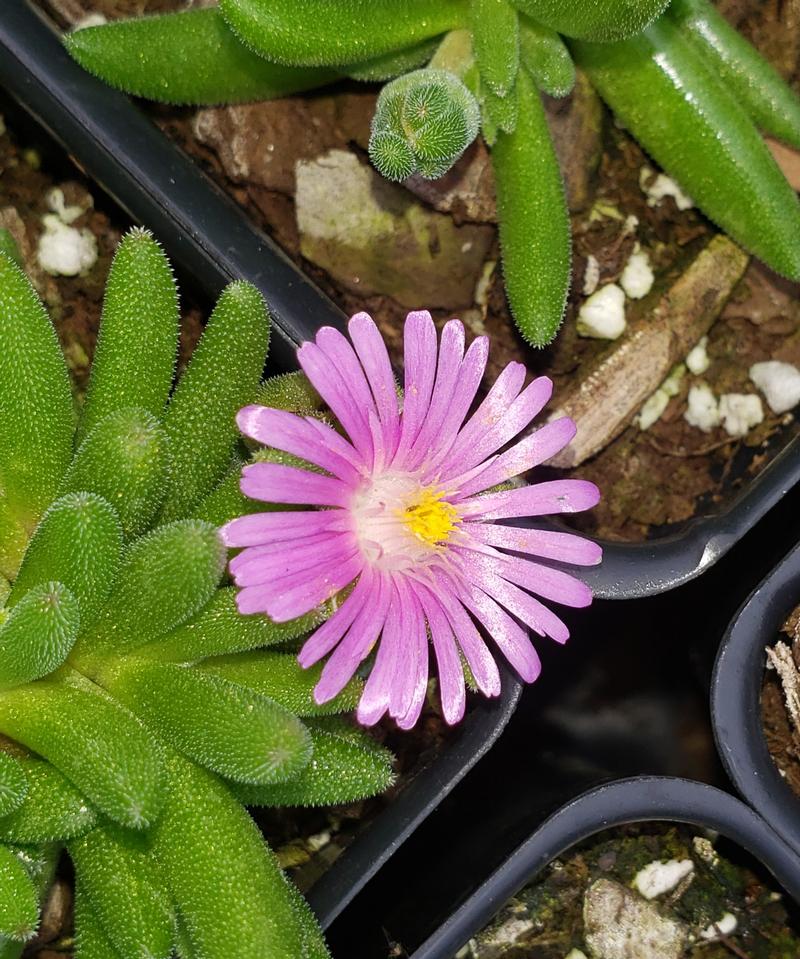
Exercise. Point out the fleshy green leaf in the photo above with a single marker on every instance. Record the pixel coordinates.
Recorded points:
(53, 808)
(124, 459)
(325, 33)
(134, 361)
(343, 769)
(115, 870)
(220, 628)
(600, 20)
(231, 730)
(290, 391)
(187, 57)
(13, 784)
(500, 113)
(99, 746)
(36, 409)
(391, 65)
(166, 577)
(19, 899)
(224, 881)
(533, 218)
(222, 376)
(91, 940)
(545, 56)
(226, 501)
(495, 38)
(314, 946)
(38, 634)
(77, 543)
(280, 677)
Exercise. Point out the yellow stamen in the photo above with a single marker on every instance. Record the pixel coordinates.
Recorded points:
(431, 519)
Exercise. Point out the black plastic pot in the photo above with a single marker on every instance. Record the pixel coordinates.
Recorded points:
(214, 241)
(641, 799)
(736, 699)
(207, 235)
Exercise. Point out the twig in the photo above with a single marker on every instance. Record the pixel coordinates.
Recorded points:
(687, 454)
(730, 944)
(782, 661)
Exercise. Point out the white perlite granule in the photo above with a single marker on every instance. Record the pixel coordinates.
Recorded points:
(661, 876)
(779, 382)
(602, 316)
(740, 412)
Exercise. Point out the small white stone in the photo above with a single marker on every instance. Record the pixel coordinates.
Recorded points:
(702, 410)
(637, 277)
(319, 840)
(726, 925)
(602, 316)
(740, 412)
(90, 20)
(698, 360)
(576, 954)
(511, 931)
(654, 406)
(779, 382)
(55, 201)
(705, 850)
(662, 187)
(63, 250)
(661, 876)
(591, 276)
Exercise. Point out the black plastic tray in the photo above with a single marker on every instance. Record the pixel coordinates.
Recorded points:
(207, 235)
(615, 804)
(736, 699)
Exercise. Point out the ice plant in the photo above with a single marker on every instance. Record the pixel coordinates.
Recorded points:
(691, 90)
(406, 531)
(138, 710)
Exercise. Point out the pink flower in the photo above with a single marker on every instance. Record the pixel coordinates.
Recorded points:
(404, 518)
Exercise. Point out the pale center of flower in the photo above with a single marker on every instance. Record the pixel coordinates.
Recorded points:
(400, 523)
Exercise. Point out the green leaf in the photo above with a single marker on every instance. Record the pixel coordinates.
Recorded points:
(533, 219)
(91, 940)
(760, 89)
(391, 65)
(228, 729)
(220, 628)
(187, 57)
(495, 39)
(115, 870)
(338, 32)
(728, 171)
(13, 784)
(314, 946)
(545, 56)
(53, 808)
(343, 769)
(99, 746)
(13, 540)
(134, 361)
(38, 634)
(222, 376)
(19, 899)
(600, 20)
(36, 407)
(289, 391)
(166, 577)
(124, 459)
(500, 113)
(280, 677)
(9, 248)
(77, 543)
(226, 501)
(224, 881)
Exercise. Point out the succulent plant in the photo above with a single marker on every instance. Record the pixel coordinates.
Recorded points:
(138, 709)
(678, 76)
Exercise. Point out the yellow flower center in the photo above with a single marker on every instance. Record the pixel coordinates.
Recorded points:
(430, 519)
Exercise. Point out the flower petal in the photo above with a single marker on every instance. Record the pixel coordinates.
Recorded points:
(525, 607)
(539, 499)
(374, 358)
(448, 663)
(407, 693)
(325, 638)
(285, 604)
(293, 562)
(548, 544)
(512, 640)
(419, 357)
(376, 696)
(275, 483)
(259, 528)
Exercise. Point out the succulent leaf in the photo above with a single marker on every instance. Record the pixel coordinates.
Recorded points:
(226, 501)
(36, 407)
(545, 56)
(13, 785)
(390, 65)
(99, 746)
(338, 32)
(495, 38)
(134, 361)
(314, 945)
(78, 543)
(225, 883)
(186, 57)
(124, 460)
(53, 808)
(38, 634)
(599, 20)
(228, 729)
(90, 939)
(289, 391)
(115, 871)
(498, 112)
(222, 376)
(19, 898)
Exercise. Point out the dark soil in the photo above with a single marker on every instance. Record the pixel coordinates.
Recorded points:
(783, 739)
(546, 920)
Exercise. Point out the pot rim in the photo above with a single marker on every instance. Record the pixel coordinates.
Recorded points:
(638, 799)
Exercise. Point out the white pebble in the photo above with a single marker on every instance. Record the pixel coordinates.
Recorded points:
(602, 316)
(637, 277)
(661, 876)
(698, 360)
(740, 412)
(662, 187)
(654, 406)
(779, 382)
(55, 201)
(575, 954)
(90, 20)
(65, 251)
(591, 276)
(726, 925)
(702, 410)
